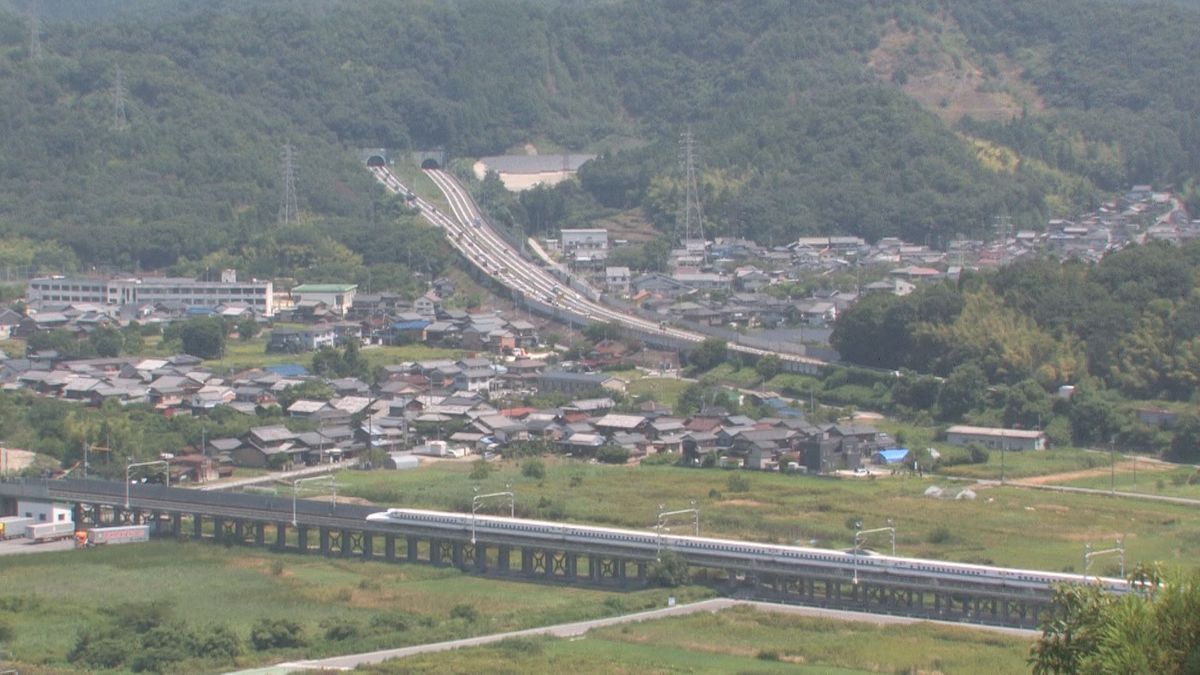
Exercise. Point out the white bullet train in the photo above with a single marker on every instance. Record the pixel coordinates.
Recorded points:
(739, 553)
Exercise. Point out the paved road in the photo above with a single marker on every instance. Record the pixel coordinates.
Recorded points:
(21, 545)
(285, 476)
(580, 627)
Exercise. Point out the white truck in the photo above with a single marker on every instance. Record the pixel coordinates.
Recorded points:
(40, 532)
(12, 527)
(123, 534)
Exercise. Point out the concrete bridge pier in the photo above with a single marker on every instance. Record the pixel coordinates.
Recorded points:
(197, 526)
(302, 538)
(280, 535)
(411, 544)
(503, 554)
(389, 547)
(176, 524)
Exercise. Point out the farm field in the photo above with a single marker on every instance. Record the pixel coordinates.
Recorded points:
(48, 598)
(739, 640)
(1139, 477)
(665, 390)
(1004, 525)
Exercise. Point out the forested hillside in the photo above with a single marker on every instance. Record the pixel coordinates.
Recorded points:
(799, 133)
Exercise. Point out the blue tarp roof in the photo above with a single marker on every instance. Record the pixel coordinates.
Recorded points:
(410, 325)
(287, 370)
(894, 455)
(200, 310)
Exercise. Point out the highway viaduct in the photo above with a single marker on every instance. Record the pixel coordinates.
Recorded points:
(341, 530)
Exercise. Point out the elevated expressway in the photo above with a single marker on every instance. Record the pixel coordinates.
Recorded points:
(531, 285)
(559, 552)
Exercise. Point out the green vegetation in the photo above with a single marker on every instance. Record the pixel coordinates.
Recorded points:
(1155, 631)
(1001, 345)
(801, 133)
(196, 607)
(1004, 525)
(740, 640)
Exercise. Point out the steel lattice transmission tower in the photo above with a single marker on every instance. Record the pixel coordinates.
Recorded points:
(35, 36)
(288, 211)
(693, 217)
(120, 121)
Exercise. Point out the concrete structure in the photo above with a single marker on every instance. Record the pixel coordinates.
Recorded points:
(521, 172)
(257, 295)
(337, 297)
(560, 553)
(1000, 439)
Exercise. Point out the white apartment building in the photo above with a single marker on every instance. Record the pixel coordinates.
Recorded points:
(258, 295)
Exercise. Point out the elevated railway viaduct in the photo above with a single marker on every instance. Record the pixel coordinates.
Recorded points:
(519, 549)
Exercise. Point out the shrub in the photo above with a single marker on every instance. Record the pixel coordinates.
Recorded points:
(520, 645)
(939, 535)
(660, 459)
(613, 454)
(670, 570)
(467, 613)
(768, 656)
(338, 630)
(738, 483)
(218, 642)
(6, 631)
(576, 481)
(277, 568)
(394, 622)
(275, 633)
(533, 468)
(480, 469)
(714, 494)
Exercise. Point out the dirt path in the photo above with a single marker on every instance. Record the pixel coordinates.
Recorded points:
(1122, 467)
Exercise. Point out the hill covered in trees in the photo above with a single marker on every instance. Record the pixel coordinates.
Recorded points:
(801, 132)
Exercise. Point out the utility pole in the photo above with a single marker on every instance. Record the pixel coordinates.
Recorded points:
(693, 218)
(288, 211)
(120, 121)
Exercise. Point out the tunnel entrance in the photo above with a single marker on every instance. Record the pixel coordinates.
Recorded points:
(430, 164)
(376, 160)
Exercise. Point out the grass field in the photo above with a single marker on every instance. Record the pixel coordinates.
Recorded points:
(419, 183)
(740, 640)
(48, 597)
(665, 390)
(1005, 525)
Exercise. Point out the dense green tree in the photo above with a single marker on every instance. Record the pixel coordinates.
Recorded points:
(964, 390)
(203, 337)
(708, 354)
(1027, 405)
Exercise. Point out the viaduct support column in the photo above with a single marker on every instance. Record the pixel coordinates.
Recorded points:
(502, 554)
(345, 539)
(572, 566)
(176, 524)
(456, 553)
(302, 537)
(368, 545)
(411, 544)
(197, 526)
(324, 540)
(593, 567)
(280, 535)
(480, 551)
(389, 547)
(435, 552)
(260, 533)
(526, 561)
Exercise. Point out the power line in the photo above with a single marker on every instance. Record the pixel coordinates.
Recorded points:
(693, 218)
(120, 121)
(288, 211)
(35, 36)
